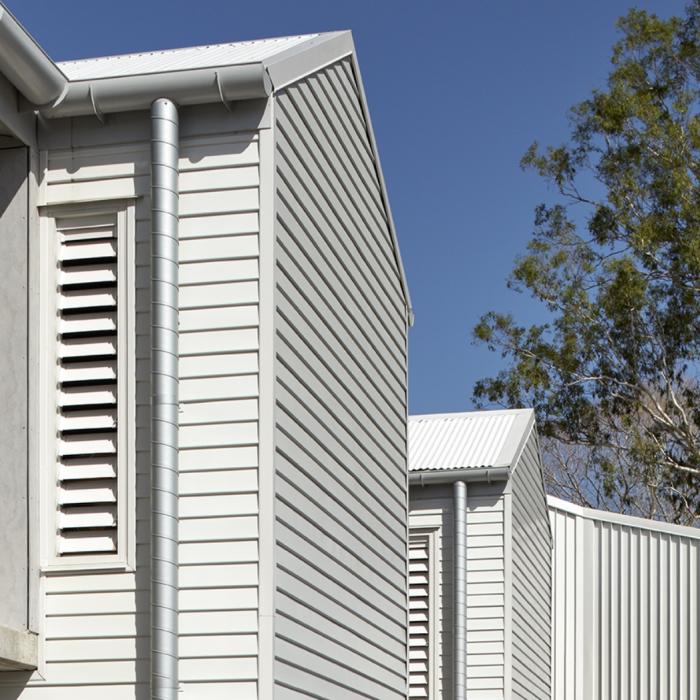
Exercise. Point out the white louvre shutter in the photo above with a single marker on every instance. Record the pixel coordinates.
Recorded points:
(419, 617)
(87, 385)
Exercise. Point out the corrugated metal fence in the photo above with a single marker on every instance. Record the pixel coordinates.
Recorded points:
(625, 607)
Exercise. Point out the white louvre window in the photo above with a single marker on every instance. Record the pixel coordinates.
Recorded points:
(419, 653)
(91, 382)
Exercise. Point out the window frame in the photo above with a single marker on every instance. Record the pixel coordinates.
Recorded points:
(124, 557)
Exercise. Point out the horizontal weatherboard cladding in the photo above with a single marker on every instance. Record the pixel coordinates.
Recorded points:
(340, 404)
(96, 625)
(486, 604)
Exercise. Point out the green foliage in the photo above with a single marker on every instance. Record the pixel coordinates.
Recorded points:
(613, 375)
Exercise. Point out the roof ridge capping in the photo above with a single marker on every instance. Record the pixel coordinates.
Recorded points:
(471, 414)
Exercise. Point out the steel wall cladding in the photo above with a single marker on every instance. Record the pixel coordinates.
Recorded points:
(625, 607)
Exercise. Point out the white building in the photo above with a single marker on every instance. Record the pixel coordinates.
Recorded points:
(625, 607)
(479, 526)
(613, 614)
(291, 415)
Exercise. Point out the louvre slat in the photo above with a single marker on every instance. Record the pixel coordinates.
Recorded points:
(88, 274)
(88, 517)
(77, 299)
(88, 371)
(87, 396)
(76, 227)
(88, 250)
(419, 589)
(92, 467)
(417, 649)
(101, 541)
(99, 419)
(87, 386)
(77, 444)
(73, 348)
(419, 617)
(88, 492)
(87, 233)
(88, 323)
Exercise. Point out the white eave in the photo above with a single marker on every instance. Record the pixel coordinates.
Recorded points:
(189, 76)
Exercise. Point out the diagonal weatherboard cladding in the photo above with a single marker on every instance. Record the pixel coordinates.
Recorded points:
(340, 395)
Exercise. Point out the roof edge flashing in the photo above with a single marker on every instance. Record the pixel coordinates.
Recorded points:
(129, 93)
(449, 476)
(26, 65)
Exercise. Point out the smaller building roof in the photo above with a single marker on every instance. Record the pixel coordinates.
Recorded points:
(471, 440)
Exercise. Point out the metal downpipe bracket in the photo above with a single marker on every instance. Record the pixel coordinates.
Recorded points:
(164, 399)
(460, 591)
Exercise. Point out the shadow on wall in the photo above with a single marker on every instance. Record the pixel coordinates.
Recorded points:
(14, 487)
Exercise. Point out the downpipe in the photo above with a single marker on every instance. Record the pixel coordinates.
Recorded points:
(164, 399)
(460, 590)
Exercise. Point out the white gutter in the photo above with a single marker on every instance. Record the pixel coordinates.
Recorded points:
(46, 89)
(449, 476)
(25, 65)
(225, 84)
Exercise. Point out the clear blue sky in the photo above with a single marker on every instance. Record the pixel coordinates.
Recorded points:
(457, 91)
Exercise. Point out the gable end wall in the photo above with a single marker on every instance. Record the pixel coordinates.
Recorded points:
(340, 404)
(531, 579)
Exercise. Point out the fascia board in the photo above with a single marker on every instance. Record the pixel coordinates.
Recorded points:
(382, 185)
(314, 54)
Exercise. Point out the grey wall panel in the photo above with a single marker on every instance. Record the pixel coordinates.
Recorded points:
(13, 387)
(340, 415)
(531, 579)
(625, 607)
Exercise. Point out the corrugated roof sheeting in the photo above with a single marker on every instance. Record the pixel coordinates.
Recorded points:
(180, 59)
(465, 440)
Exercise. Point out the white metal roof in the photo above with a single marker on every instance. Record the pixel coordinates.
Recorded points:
(237, 53)
(476, 439)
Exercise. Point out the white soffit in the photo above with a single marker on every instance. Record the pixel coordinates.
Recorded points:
(478, 439)
(238, 53)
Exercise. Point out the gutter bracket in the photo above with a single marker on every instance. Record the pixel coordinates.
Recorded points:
(230, 106)
(95, 108)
